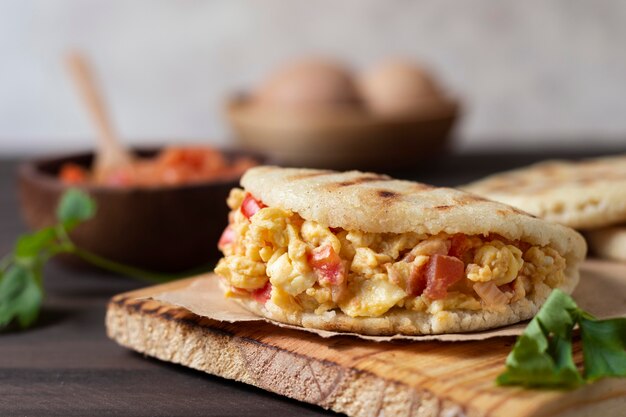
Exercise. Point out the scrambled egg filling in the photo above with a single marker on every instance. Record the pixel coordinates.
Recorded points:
(312, 267)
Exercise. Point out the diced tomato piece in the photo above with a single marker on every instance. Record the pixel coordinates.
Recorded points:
(524, 246)
(73, 174)
(416, 282)
(441, 272)
(261, 295)
(327, 264)
(459, 244)
(250, 206)
(228, 236)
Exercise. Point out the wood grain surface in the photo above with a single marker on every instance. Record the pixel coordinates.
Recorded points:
(348, 375)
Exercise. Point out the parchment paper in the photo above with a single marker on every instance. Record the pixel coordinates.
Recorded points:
(602, 292)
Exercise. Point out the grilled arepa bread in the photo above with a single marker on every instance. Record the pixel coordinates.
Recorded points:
(587, 195)
(608, 242)
(365, 253)
(584, 195)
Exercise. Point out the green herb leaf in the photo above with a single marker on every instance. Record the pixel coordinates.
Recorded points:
(604, 347)
(75, 207)
(542, 356)
(20, 296)
(21, 289)
(31, 245)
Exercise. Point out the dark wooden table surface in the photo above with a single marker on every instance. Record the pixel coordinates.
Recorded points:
(66, 366)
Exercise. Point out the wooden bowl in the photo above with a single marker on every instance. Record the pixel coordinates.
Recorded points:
(343, 138)
(173, 228)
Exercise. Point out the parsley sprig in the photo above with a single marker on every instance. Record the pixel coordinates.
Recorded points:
(21, 271)
(542, 356)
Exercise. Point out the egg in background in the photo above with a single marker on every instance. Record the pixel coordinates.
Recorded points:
(398, 87)
(317, 112)
(309, 84)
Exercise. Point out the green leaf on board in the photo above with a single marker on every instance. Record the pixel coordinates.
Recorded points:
(604, 347)
(542, 356)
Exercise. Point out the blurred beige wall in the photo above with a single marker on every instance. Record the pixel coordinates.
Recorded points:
(527, 70)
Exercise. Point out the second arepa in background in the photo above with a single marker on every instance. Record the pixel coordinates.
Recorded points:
(587, 195)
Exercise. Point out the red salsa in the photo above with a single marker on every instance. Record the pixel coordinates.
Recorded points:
(172, 166)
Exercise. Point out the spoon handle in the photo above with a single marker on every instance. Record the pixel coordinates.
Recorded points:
(110, 153)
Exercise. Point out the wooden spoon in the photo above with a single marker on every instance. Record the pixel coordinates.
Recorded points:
(110, 155)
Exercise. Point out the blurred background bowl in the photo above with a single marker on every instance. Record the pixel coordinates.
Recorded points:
(167, 228)
(343, 138)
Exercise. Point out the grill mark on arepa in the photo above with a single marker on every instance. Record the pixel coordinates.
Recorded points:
(387, 195)
(469, 198)
(443, 208)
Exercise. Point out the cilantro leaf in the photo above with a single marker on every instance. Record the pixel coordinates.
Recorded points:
(20, 296)
(32, 244)
(542, 356)
(21, 291)
(75, 207)
(21, 271)
(604, 347)
(558, 314)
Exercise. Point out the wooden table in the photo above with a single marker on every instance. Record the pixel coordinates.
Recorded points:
(66, 366)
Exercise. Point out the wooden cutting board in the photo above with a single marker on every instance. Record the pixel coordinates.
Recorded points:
(349, 375)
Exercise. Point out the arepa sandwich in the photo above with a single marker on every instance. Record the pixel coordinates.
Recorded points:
(362, 252)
